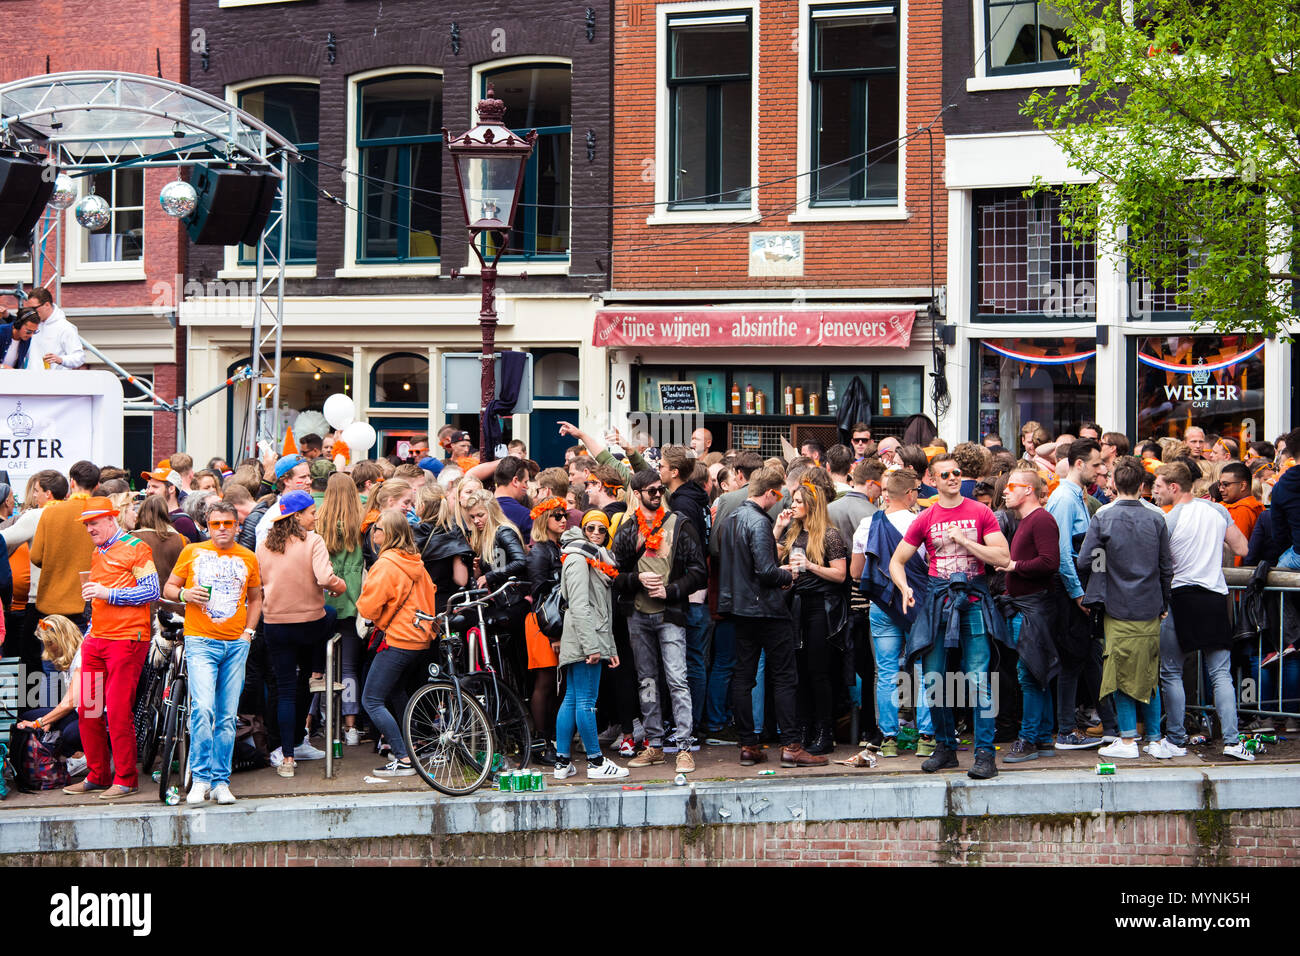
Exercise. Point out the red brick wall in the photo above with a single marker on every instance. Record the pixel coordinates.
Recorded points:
(1250, 838)
(853, 254)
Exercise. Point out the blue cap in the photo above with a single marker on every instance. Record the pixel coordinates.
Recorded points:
(287, 464)
(431, 464)
(292, 503)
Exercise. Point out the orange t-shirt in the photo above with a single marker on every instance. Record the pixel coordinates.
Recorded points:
(126, 563)
(20, 566)
(1245, 512)
(228, 574)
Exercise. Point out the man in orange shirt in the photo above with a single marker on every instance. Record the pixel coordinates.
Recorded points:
(219, 583)
(1244, 507)
(123, 583)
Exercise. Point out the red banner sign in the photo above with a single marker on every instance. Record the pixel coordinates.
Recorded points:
(844, 328)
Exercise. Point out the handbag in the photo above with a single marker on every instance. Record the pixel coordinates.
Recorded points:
(550, 611)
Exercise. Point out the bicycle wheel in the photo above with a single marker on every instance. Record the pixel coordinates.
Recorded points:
(148, 719)
(173, 743)
(449, 738)
(512, 730)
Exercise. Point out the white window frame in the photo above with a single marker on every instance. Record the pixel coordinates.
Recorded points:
(19, 271)
(805, 211)
(504, 267)
(231, 269)
(79, 269)
(662, 215)
(981, 82)
(351, 218)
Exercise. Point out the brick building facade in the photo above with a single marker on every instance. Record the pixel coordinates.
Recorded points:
(798, 183)
(113, 282)
(385, 286)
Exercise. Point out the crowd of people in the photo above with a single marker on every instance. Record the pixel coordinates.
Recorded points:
(667, 596)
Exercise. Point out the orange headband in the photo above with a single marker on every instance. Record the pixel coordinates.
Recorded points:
(550, 504)
(811, 487)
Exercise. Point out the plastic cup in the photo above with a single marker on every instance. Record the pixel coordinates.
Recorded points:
(84, 576)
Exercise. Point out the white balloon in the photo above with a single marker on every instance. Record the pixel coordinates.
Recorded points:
(340, 411)
(359, 437)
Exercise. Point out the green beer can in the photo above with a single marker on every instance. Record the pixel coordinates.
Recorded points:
(1105, 769)
(539, 782)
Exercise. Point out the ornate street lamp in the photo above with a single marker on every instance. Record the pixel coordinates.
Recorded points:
(490, 161)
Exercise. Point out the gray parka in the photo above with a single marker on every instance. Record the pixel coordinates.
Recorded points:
(589, 620)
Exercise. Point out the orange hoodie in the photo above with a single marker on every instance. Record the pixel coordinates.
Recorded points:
(398, 578)
(1245, 512)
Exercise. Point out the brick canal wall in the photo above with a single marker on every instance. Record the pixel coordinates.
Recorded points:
(1198, 838)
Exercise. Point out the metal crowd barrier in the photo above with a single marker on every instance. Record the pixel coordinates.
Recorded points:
(333, 674)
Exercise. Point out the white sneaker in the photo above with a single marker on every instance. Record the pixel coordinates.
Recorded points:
(221, 793)
(1239, 751)
(198, 792)
(352, 736)
(396, 768)
(305, 751)
(606, 769)
(277, 756)
(564, 771)
(76, 766)
(1162, 749)
(1120, 749)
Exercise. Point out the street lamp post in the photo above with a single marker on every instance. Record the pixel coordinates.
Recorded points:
(490, 161)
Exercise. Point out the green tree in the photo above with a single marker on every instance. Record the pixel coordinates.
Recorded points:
(1187, 117)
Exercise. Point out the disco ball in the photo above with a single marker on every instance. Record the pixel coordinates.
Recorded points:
(178, 199)
(65, 192)
(92, 212)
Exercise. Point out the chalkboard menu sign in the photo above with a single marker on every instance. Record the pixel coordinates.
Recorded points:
(751, 438)
(678, 397)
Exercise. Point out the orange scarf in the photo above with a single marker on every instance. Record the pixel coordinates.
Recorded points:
(608, 570)
(653, 533)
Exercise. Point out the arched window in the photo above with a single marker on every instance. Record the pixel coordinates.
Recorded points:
(400, 379)
(555, 375)
(292, 110)
(399, 142)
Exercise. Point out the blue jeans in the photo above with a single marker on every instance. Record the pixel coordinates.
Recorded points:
(579, 707)
(1289, 561)
(385, 681)
(976, 687)
(216, 670)
(1037, 716)
(758, 696)
(1126, 712)
(1219, 664)
(655, 639)
(887, 642)
(699, 634)
(717, 705)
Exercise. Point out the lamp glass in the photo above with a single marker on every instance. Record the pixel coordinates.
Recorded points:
(488, 182)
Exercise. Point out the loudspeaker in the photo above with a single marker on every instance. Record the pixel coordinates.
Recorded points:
(25, 188)
(233, 206)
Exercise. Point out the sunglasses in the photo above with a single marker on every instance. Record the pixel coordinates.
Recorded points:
(654, 492)
(945, 475)
(221, 523)
(1012, 485)
(594, 527)
(861, 441)
(559, 516)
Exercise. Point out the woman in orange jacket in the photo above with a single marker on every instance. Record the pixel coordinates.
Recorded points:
(395, 588)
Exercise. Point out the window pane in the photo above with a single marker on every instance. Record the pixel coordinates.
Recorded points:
(122, 240)
(402, 379)
(836, 179)
(1036, 388)
(552, 156)
(404, 106)
(690, 138)
(855, 43)
(735, 142)
(291, 109)
(130, 188)
(15, 251)
(534, 96)
(426, 208)
(379, 203)
(1026, 265)
(1024, 33)
(882, 136)
(130, 227)
(302, 210)
(718, 49)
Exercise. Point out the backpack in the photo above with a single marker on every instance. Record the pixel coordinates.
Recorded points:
(41, 767)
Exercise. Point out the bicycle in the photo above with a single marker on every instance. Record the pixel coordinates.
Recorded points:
(175, 738)
(154, 678)
(447, 733)
(488, 675)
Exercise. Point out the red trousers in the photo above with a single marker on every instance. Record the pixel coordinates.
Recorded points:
(110, 672)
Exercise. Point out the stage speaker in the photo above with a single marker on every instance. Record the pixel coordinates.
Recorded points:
(233, 206)
(25, 188)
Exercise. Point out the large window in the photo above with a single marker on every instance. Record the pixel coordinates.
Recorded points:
(1025, 35)
(122, 240)
(1025, 265)
(537, 97)
(1215, 382)
(293, 111)
(1052, 381)
(400, 379)
(399, 139)
(855, 105)
(710, 109)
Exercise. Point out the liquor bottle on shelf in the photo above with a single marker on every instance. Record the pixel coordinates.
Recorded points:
(885, 405)
(798, 400)
(760, 404)
(789, 400)
(735, 398)
(749, 399)
(814, 404)
(831, 406)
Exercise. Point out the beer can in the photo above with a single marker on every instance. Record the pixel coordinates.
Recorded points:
(503, 781)
(516, 781)
(338, 749)
(1105, 769)
(1252, 745)
(173, 796)
(157, 776)
(539, 782)
(1266, 738)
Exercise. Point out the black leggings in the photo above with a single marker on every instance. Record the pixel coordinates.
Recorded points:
(814, 662)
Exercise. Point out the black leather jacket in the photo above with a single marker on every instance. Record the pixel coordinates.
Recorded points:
(516, 559)
(543, 564)
(750, 577)
(687, 575)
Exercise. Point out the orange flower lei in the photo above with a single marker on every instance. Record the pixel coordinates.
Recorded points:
(550, 504)
(608, 570)
(653, 534)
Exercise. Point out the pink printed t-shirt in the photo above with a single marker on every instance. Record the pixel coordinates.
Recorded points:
(947, 558)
